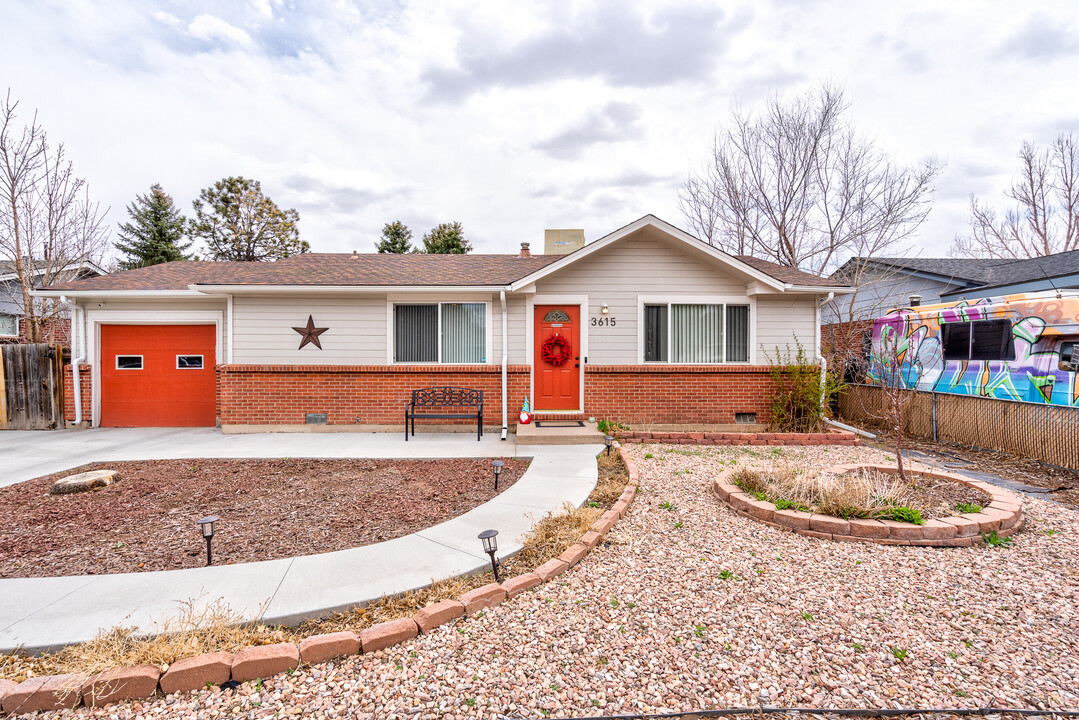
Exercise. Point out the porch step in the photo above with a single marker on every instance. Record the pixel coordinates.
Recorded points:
(556, 432)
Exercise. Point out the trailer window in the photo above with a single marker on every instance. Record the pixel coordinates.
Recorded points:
(978, 340)
(1069, 357)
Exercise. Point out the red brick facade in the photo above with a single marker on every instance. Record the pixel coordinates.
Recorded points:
(377, 394)
(57, 330)
(662, 394)
(353, 395)
(85, 380)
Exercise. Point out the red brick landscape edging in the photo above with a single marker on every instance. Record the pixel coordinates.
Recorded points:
(55, 692)
(832, 437)
(1004, 515)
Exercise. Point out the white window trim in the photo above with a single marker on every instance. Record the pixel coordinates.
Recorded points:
(94, 319)
(142, 364)
(202, 361)
(724, 300)
(411, 299)
(16, 318)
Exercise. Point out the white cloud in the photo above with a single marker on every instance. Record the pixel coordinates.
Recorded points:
(329, 105)
(211, 27)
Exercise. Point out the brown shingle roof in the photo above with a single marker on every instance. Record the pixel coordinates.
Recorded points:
(338, 269)
(787, 274)
(325, 269)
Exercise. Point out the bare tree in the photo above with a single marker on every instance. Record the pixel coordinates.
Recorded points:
(48, 225)
(1045, 217)
(797, 185)
(890, 365)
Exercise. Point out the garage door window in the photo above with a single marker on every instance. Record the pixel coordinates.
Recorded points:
(129, 362)
(189, 362)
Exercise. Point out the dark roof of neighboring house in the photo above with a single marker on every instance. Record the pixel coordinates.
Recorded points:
(785, 274)
(371, 269)
(1039, 268)
(975, 270)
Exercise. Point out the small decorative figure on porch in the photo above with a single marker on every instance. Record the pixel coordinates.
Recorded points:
(526, 414)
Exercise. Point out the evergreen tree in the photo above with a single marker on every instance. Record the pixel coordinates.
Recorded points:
(156, 232)
(396, 238)
(238, 222)
(446, 239)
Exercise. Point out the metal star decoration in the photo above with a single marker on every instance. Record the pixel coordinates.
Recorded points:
(310, 333)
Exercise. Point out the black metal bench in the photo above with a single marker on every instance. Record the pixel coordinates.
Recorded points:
(441, 398)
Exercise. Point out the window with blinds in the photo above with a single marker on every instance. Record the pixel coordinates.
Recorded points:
(696, 333)
(440, 333)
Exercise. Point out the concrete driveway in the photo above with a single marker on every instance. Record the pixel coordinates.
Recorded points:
(46, 613)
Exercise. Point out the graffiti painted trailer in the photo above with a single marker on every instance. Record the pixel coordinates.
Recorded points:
(1015, 347)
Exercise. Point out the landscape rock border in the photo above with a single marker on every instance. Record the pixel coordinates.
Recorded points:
(55, 692)
(1004, 515)
(832, 437)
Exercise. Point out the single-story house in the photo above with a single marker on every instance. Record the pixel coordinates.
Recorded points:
(653, 326)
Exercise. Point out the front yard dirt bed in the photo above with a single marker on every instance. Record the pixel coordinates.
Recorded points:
(269, 509)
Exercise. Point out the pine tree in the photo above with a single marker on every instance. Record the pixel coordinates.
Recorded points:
(238, 223)
(396, 238)
(156, 232)
(446, 239)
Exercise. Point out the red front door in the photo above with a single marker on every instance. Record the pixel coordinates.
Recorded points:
(158, 375)
(558, 387)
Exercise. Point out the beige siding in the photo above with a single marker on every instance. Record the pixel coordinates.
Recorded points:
(783, 321)
(635, 267)
(263, 331)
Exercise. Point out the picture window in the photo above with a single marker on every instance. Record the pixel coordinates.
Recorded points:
(696, 333)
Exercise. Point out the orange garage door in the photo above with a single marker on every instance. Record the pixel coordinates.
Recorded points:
(158, 375)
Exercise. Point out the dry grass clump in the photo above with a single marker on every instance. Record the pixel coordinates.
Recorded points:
(864, 493)
(202, 628)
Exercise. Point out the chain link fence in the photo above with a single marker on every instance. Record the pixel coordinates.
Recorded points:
(1049, 433)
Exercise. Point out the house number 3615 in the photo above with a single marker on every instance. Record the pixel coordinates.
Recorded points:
(600, 321)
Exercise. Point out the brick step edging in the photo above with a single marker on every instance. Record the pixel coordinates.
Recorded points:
(831, 437)
(55, 692)
(1004, 515)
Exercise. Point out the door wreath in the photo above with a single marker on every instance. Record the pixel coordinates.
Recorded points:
(556, 350)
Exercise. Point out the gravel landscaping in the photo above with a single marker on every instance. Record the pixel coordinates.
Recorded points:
(269, 509)
(689, 606)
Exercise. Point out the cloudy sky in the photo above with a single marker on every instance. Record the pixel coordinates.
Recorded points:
(512, 117)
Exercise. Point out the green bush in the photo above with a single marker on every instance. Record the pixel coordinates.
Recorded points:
(798, 400)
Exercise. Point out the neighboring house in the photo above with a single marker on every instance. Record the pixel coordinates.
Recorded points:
(888, 283)
(12, 325)
(659, 327)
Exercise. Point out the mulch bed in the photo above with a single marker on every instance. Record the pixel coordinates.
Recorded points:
(269, 509)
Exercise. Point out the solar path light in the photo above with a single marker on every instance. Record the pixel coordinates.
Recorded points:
(489, 538)
(206, 524)
(497, 465)
(608, 440)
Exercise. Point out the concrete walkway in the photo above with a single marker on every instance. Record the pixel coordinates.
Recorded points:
(46, 613)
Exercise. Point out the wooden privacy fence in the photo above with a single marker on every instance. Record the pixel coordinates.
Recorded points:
(1049, 433)
(31, 387)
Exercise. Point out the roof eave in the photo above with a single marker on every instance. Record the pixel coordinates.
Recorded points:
(57, 293)
(337, 289)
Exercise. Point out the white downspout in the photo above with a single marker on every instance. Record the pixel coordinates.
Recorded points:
(78, 356)
(505, 356)
(820, 355)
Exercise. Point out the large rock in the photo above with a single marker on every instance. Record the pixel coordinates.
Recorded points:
(83, 481)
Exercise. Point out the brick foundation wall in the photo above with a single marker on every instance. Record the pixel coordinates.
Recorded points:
(351, 395)
(710, 394)
(376, 395)
(85, 379)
